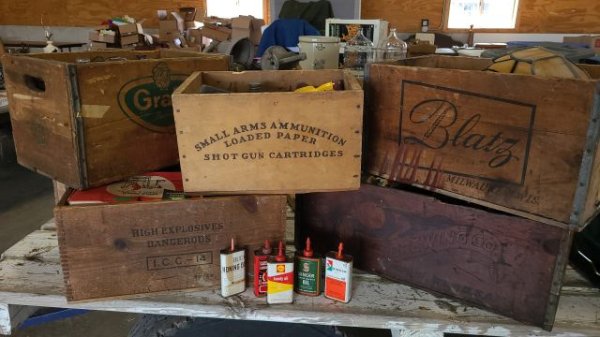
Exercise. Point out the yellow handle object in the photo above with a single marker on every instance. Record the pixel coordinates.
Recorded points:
(323, 87)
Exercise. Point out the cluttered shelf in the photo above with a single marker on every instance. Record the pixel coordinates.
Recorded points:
(31, 275)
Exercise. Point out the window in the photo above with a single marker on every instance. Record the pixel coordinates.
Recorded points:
(483, 13)
(234, 8)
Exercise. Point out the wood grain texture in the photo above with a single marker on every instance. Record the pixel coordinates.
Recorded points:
(289, 142)
(503, 263)
(377, 303)
(535, 16)
(489, 137)
(87, 13)
(128, 249)
(89, 131)
(41, 112)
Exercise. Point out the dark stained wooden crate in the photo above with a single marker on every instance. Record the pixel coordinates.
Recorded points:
(522, 144)
(137, 248)
(91, 118)
(504, 263)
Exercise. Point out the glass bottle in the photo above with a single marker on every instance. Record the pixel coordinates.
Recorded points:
(357, 53)
(392, 48)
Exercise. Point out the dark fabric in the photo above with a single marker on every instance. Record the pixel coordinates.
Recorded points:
(284, 33)
(315, 12)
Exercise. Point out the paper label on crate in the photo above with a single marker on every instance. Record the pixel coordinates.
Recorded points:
(453, 123)
(147, 100)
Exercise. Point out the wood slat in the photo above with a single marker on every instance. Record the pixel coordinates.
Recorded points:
(377, 303)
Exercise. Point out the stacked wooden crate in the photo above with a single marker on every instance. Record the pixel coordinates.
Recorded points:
(88, 119)
(496, 172)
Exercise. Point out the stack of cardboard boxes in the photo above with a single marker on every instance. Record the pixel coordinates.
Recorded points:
(117, 34)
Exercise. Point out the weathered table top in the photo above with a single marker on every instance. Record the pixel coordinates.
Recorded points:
(30, 274)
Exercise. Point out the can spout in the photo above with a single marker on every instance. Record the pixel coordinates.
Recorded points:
(340, 251)
(307, 252)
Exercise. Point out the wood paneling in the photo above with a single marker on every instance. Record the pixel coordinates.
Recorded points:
(536, 16)
(85, 12)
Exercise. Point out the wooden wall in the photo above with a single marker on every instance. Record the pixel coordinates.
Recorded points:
(85, 13)
(536, 16)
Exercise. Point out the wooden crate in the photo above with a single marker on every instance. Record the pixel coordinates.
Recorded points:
(275, 141)
(504, 263)
(126, 249)
(523, 144)
(88, 124)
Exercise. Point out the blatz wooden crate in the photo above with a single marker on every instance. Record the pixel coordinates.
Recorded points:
(273, 141)
(137, 248)
(504, 263)
(523, 144)
(91, 118)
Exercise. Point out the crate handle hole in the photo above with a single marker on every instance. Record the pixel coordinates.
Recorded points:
(35, 83)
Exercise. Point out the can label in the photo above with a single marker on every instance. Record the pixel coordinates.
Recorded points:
(233, 273)
(307, 276)
(338, 279)
(280, 282)
(260, 275)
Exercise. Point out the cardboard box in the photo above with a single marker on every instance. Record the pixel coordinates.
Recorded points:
(126, 249)
(170, 26)
(98, 122)
(526, 145)
(107, 38)
(129, 39)
(504, 263)
(216, 33)
(195, 38)
(127, 28)
(95, 45)
(290, 142)
(247, 27)
(591, 41)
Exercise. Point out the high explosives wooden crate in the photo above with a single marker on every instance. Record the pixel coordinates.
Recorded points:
(91, 118)
(272, 141)
(145, 247)
(508, 264)
(523, 144)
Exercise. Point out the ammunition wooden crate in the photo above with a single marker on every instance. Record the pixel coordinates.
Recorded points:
(507, 264)
(91, 118)
(126, 249)
(522, 144)
(274, 141)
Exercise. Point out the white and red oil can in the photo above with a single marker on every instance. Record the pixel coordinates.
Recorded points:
(338, 275)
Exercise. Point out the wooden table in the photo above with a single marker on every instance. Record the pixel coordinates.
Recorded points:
(31, 275)
(41, 44)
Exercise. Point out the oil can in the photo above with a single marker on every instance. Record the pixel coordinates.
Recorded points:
(308, 272)
(280, 278)
(233, 270)
(338, 275)
(260, 269)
